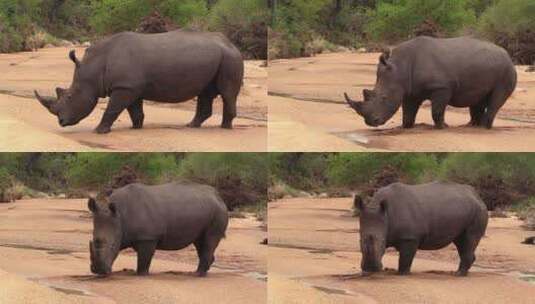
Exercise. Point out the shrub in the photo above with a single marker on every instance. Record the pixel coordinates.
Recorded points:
(240, 178)
(94, 170)
(357, 169)
(244, 23)
(397, 21)
(510, 24)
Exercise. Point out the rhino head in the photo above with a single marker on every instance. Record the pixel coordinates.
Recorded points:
(107, 236)
(373, 233)
(381, 103)
(76, 103)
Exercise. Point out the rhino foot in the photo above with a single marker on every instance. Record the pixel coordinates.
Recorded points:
(102, 130)
(200, 273)
(193, 124)
(461, 273)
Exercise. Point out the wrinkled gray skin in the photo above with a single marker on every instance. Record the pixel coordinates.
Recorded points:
(167, 67)
(427, 217)
(460, 72)
(165, 217)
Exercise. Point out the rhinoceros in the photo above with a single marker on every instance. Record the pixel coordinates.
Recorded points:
(164, 217)
(167, 67)
(426, 216)
(460, 72)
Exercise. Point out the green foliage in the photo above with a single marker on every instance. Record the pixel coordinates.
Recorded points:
(93, 170)
(508, 16)
(5, 180)
(353, 169)
(396, 21)
(244, 23)
(212, 168)
(16, 23)
(304, 171)
(112, 16)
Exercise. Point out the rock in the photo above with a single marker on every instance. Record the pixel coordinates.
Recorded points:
(86, 44)
(62, 196)
(362, 50)
(323, 195)
(49, 46)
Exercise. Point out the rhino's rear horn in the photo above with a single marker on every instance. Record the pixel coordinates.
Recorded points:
(47, 102)
(357, 106)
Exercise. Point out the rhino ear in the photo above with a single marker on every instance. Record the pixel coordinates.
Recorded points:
(113, 209)
(383, 59)
(358, 203)
(72, 56)
(92, 205)
(382, 205)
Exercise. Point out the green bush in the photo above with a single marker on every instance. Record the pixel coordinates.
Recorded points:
(16, 23)
(244, 23)
(354, 169)
(240, 178)
(510, 24)
(397, 21)
(94, 170)
(516, 170)
(305, 171)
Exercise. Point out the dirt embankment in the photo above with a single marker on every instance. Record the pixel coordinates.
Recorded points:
(307, 112)
(26, 126)
(316, 259)
(44, 258)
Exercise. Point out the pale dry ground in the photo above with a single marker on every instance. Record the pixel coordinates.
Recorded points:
(26, 126)
(44, 258)
(307, 112)
(314, 258)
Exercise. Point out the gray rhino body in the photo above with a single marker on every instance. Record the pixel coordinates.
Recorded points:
(164, 217)
(426, 217)
(167, 67)
(459, 72)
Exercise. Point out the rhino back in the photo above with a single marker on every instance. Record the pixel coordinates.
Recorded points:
(175, 213)
(434, 213)
(469, 67)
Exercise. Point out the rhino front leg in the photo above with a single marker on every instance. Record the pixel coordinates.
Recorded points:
(120, 100)
(409, 113)
(407, 251)
(145, 251)
(136, 114)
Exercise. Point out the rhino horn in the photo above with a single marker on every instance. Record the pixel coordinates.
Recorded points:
(47, 102)
(356, 105)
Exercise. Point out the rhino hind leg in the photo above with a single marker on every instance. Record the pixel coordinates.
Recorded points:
(407, 251)
(466, 246)
(136, 114)
(476, 114)
(206, 247)
(497, 99)
(145, 251)
(203, 110)
(229, 111)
